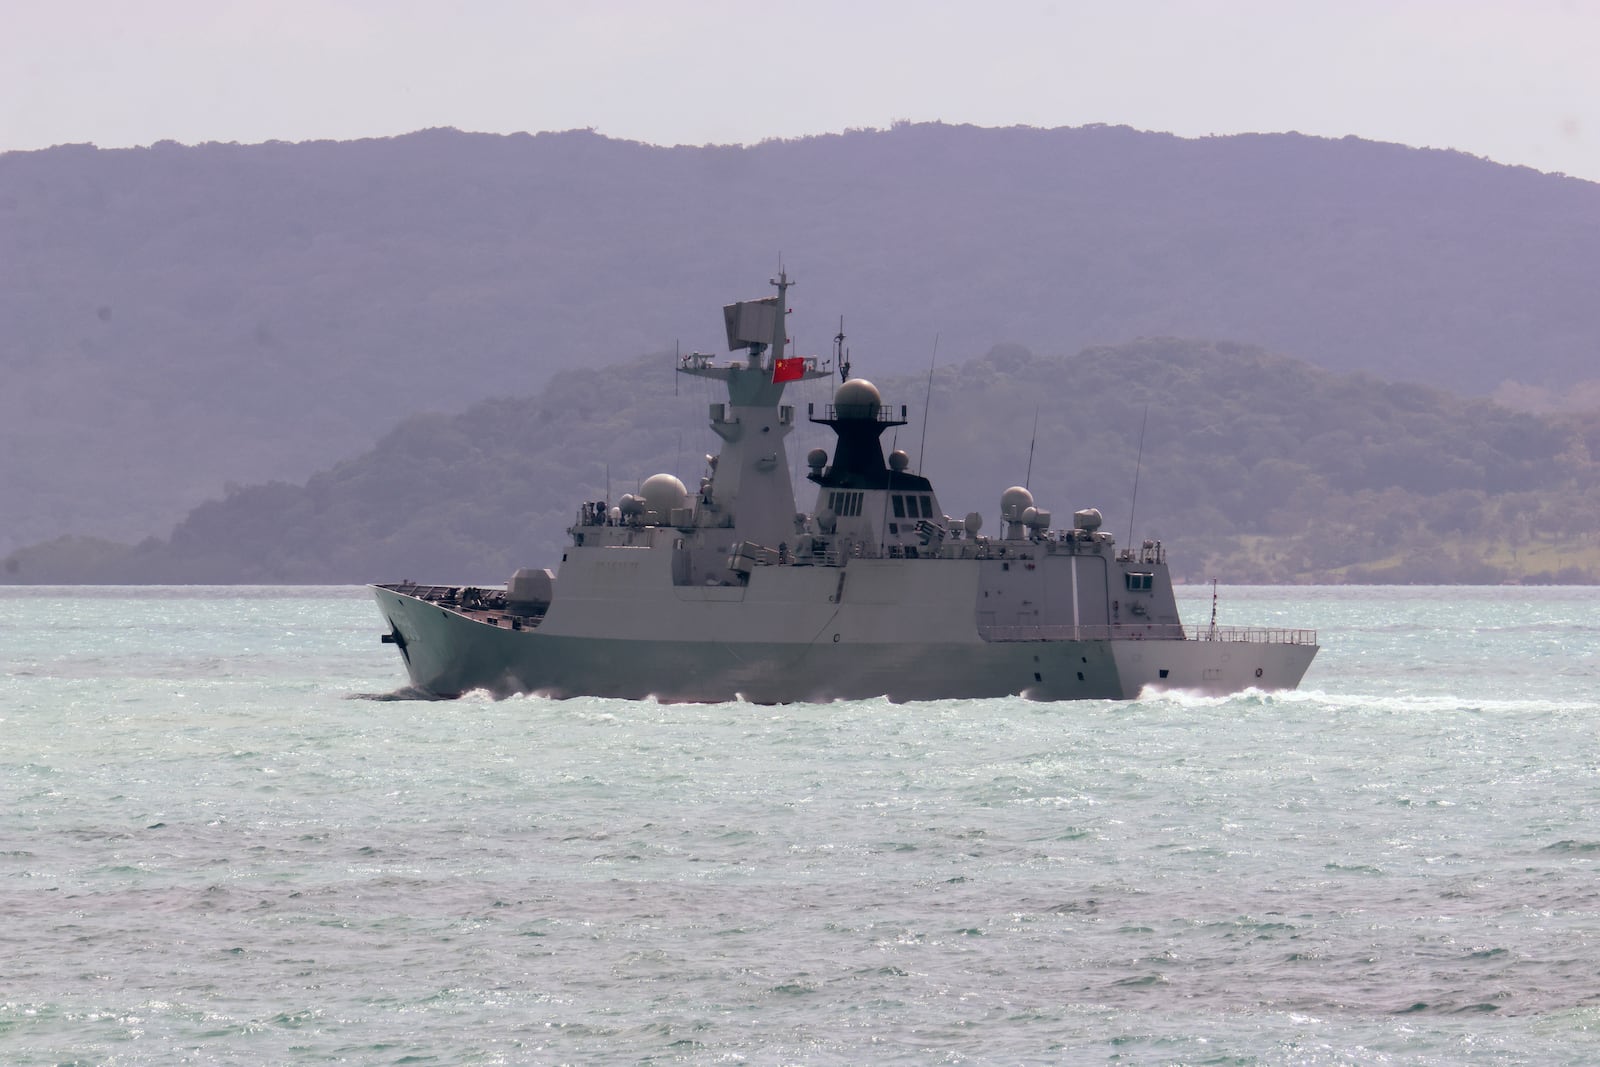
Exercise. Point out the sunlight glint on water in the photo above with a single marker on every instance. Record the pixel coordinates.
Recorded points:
(214, 849)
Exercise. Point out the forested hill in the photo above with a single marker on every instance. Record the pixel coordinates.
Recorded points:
(176, 318)
(1255, 468)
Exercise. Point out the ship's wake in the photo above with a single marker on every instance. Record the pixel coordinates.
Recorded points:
(405, 692)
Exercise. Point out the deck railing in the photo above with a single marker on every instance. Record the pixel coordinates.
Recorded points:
(1156, 632)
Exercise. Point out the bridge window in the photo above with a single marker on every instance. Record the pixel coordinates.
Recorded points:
(845, 503)
(899, 506)
(1139, 581)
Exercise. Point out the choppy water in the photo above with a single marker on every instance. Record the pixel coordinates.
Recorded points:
(211, 853)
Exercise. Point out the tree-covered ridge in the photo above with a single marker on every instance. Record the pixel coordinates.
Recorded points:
(1260, 468)
(180, 317)
(1250, 467)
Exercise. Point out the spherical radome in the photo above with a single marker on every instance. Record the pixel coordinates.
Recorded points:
(857, 399)
(662, 493)
(1013, 502)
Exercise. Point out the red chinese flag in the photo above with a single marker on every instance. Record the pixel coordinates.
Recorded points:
(788, 370)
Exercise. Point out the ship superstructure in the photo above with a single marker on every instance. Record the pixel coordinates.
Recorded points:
(729, 592)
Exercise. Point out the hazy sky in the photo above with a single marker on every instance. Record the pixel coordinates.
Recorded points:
(1515, 80)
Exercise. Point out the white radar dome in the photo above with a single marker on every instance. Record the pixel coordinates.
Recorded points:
(1013, 502)
(857, 399)
(899, 460)
(662, 493)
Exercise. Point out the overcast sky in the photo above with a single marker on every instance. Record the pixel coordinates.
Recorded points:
(1517, 81)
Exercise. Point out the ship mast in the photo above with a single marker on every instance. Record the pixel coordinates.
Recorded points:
(780, 322)
(841, 358)
(749, 490)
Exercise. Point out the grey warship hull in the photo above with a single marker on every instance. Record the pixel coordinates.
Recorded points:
(730, 593)
(449, 651)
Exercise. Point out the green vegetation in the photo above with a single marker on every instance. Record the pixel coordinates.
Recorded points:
(1254, 468)
(179, 317)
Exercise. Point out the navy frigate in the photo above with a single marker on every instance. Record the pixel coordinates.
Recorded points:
(730, 593)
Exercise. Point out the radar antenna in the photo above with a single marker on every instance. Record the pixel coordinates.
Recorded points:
(841, 355)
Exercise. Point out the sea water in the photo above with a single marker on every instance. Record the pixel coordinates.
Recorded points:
(219, 844)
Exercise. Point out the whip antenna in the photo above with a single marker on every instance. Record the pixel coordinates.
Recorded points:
(1137, 463)
(927, 402)
(1028, 478)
